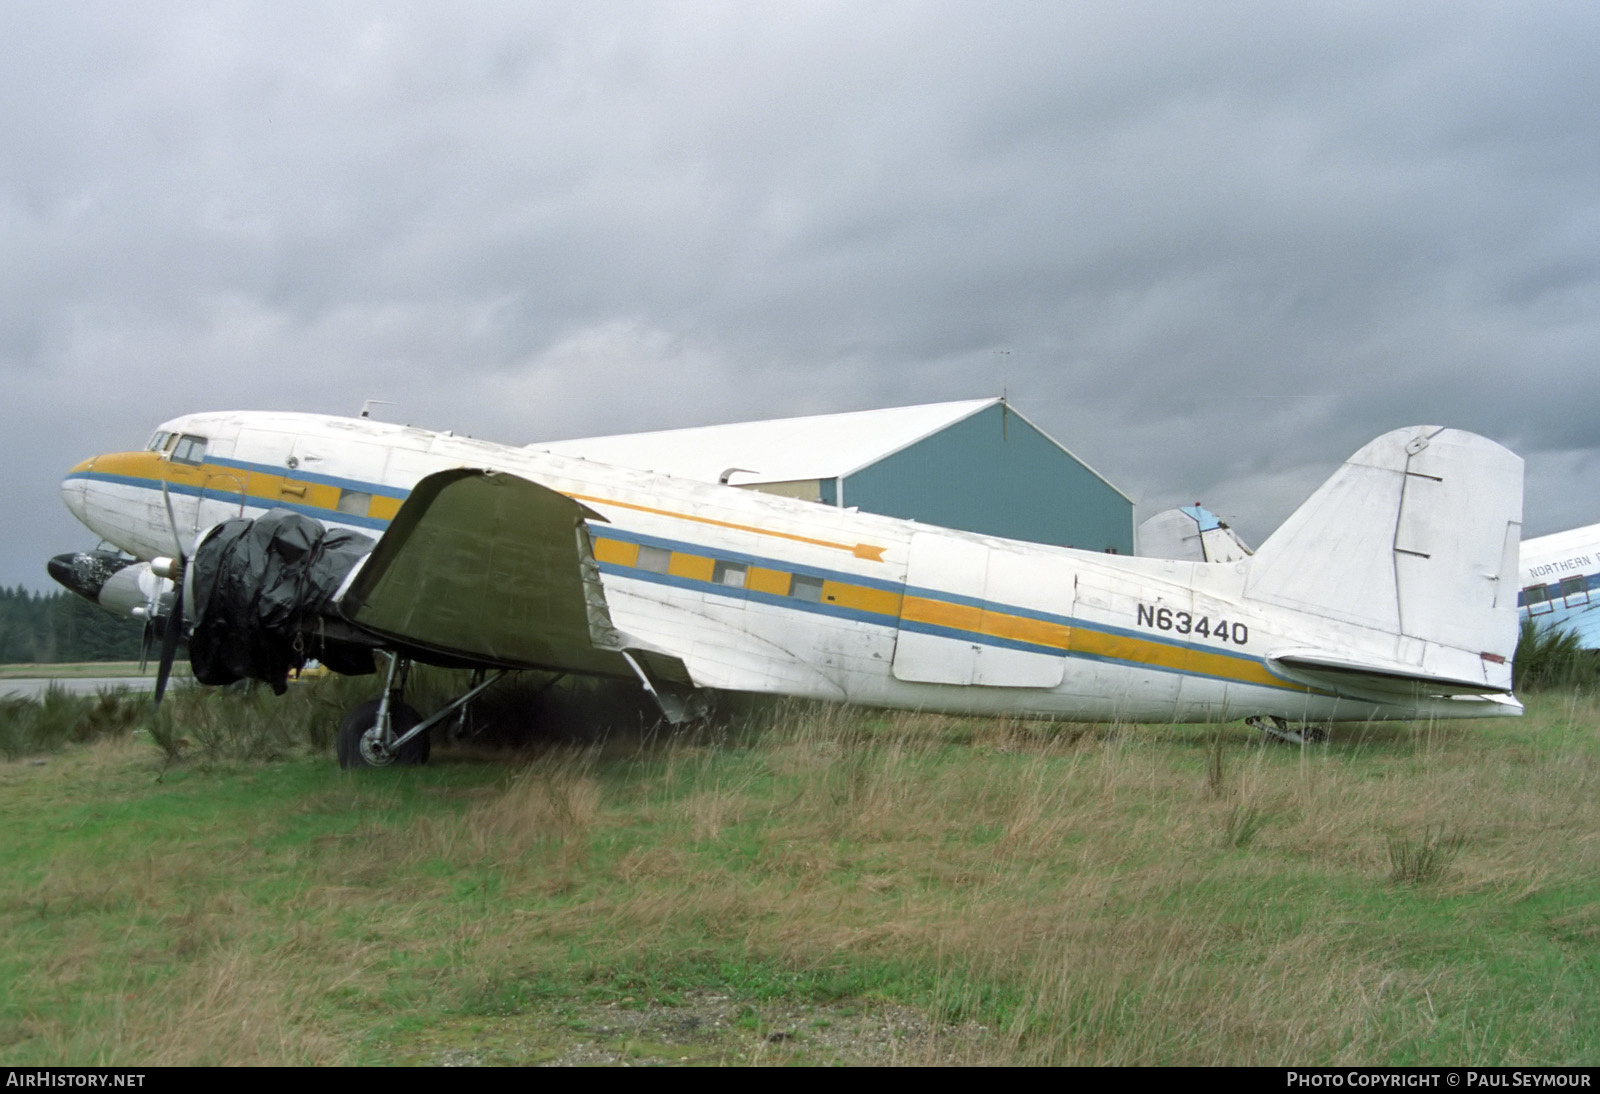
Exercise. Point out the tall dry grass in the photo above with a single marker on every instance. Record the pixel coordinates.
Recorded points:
(1040, 893)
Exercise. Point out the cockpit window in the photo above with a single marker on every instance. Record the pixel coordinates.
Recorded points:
(158, 442)
(189, 449)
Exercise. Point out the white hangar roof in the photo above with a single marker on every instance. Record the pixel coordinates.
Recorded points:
(819, 446)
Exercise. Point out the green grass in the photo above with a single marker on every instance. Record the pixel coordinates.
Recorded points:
(1424, 858)
(816, 886)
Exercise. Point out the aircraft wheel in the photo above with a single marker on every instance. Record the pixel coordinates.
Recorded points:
(357, 744)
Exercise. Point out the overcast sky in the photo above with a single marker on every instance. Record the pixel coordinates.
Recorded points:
(1211, 247)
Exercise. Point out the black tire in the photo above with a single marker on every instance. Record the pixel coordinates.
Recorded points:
(401, 718)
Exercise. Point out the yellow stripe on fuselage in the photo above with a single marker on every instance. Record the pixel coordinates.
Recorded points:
(263, 489)
(616, 553)
(269, 488)
(859, 550)
(384, 508)
(1140, 651)
(987, 621)
(772, 582)
(257, 487)
(862, 598)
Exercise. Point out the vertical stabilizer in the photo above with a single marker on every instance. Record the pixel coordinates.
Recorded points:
(1189, 533)
(1415, 536)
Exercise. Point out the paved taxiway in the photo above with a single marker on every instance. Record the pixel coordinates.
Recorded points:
(32, 687)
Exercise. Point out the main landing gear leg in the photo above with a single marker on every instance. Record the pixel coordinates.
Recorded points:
(386, 732)
(464, 725)
(383, 732)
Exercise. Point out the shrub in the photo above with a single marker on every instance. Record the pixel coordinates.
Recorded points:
(1421, 860)
(1552, 658)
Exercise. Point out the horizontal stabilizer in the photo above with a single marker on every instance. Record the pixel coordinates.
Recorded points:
(1370, 678)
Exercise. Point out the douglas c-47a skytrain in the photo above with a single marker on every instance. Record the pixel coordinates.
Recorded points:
(1391, 593)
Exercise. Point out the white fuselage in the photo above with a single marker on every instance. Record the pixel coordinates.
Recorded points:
(768, 594)
(1561, 583)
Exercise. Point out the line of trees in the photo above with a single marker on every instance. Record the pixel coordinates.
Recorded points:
(48, 627)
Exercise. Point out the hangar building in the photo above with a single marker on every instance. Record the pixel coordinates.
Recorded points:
(976, 465)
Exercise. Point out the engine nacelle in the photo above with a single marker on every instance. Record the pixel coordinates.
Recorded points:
(115, 582)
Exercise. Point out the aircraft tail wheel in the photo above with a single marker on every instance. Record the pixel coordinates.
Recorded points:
(1278, 729)
(360, 745)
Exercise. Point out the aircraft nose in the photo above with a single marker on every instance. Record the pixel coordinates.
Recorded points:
(86, 572)
(75, 491)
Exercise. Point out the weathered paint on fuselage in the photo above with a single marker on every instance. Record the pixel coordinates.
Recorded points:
(769, 594)
(1561, 583)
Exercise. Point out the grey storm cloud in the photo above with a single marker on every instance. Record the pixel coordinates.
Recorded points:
(1212, 248)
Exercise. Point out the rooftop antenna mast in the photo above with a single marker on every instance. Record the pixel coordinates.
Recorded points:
(1003, 359)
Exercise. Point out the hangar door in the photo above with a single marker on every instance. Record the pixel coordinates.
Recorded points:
(960, 621)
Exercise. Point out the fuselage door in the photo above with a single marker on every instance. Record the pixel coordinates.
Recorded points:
(966, 617)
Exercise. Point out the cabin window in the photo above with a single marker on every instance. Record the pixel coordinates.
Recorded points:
(355, 503)
(806, 588)
(189, 449)
(1574, 590)
(654, 559)
(1536, 598)
(730, 574)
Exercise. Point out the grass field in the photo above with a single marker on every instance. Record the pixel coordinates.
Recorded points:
(819, 885)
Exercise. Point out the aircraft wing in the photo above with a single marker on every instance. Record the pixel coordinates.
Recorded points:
(492, 569)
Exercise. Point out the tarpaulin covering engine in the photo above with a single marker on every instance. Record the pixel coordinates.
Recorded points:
(260, 589)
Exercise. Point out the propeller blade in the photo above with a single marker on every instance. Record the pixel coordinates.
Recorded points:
(169, 643)
(173, 630)
(144, 644)
(172, 522)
